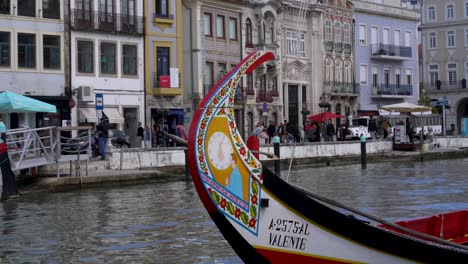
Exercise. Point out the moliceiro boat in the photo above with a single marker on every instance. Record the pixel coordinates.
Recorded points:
(266, 219)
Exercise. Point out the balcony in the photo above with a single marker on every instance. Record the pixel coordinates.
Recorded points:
(249, 91)
(249, 45)
(347, 49)
(329, 46)
(392, 90)
(342, 88)
(107, 22)
(390, 52)
(338, 47)
(444, 85)
(263, 96)
(273, 93)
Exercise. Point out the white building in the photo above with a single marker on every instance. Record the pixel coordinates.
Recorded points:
(107, 57)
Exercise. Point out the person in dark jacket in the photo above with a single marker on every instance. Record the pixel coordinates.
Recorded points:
(103, 135)
(271, 131)
(373, 127)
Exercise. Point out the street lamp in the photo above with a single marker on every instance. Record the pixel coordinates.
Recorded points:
(324, 104)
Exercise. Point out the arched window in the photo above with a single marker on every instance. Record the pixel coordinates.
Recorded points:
(450, 11)
(338, 32)
(347, 72)
(328, 31)
(328, 70)
(338, 72)
(346, 34)
(248, 33)
(431, 14)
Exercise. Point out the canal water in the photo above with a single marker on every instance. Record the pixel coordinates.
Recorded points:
(164, 222)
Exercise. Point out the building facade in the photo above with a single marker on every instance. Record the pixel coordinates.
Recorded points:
(386, 54)
(444, 33)
(107, 57)
(33, 57)
(340, 92)
(164, 71)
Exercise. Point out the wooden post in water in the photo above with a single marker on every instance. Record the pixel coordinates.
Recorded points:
(276, 150)
(363, 152)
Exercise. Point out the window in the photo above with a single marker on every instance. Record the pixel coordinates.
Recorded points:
(347, 72)
(250, 83)
(108, 52)
(129, 60)
(409, 76)
(162, 63)
(26, 50)
(346, 34)
(385, 36)
(248, 33)
(387, 77)
(466, 37)
(207, 25)
(432, 40)
(208, 76)
(302, 45)
(396, 37)
(397, 77)
(51, 47)
(51, 9)
(363, 74)
(27, 8)
(291, 43)
(375, 76)
(85, 56)
(5, 7)
(466, 9)
(162, 8)
(338, 32)
(222, 70)
(328, 71)
(128, 10)
(328, 31)
(338, 71)
(431, 14)
(450, 11)
(408, 39)
(450, 39)
(362, 35)
(433, 74)
(220, 26)
(5, 50)
(374, 35)
(452, 73)
(232, 28)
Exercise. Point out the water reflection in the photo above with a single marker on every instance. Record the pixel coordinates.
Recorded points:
(164, 222)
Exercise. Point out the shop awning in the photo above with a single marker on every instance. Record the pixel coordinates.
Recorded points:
(88, 115)
(113, 115)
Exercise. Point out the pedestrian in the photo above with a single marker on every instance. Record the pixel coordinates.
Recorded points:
(373, 128)
(103, 135)
(310, 133)
(140, 136)
(147, 137)
(180, 131)
(9, 187)
(271, 131)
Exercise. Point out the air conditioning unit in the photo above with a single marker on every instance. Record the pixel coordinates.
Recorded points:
(86, 94)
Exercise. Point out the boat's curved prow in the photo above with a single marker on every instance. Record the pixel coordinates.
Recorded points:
(290, 226)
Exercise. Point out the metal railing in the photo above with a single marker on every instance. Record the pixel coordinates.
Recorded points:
(329, 46)
(394, 89)
(446, 85)
(391, 50)
(338, 47)
(249, 91)
(349, 88)
(263, 96)
(109, 22)
(347, 48)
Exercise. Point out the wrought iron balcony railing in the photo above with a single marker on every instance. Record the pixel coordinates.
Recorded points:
(108, 22)
(274, 93)
(338, 47)
(390, 51)
(249, 91)
(347, 48)
(348, 88)
(263, 96)
(329, 46)
(249, 45)
(393, 89)
(446, 85)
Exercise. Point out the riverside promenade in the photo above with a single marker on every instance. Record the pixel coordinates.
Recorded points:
(128, 166)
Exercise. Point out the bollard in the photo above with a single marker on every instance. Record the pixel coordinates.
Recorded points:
(363, 152)
(276, 150)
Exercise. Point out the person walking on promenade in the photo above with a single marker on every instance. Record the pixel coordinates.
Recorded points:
(373, 128)
(140, 136)
(9, 187)
(271, 131)
(147, 136)
(103, 135)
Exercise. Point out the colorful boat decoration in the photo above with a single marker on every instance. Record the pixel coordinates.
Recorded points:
(268, 220)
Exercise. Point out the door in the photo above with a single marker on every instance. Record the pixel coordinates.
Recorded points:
(396, 37)
(128, 15)
(131, 126)
(106, 15)
(386, 33)
(83, 13)
(374, 35)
